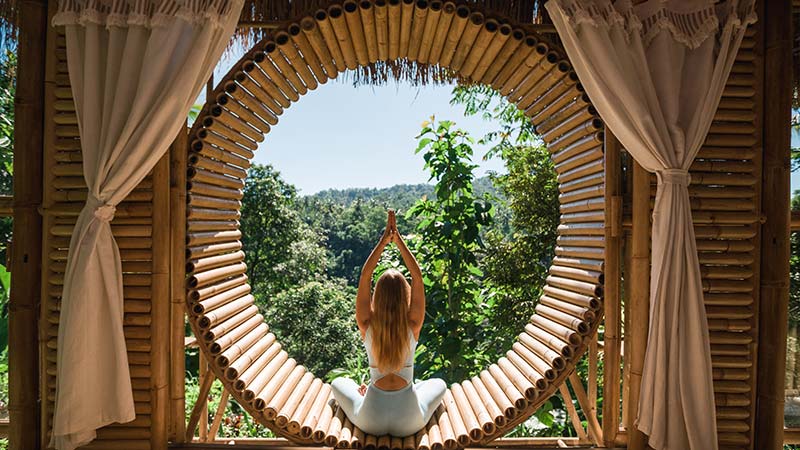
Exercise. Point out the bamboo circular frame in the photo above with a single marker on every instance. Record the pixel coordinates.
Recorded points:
(479, 47)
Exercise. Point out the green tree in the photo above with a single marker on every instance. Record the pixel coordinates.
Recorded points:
(447, 240)
(794, 268)
(315, 323)
(281, 250)
(515, 260)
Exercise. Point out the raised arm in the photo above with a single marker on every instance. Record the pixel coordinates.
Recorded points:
(364, 296)
(416, 311)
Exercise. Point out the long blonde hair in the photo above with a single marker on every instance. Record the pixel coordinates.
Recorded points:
(389, 322)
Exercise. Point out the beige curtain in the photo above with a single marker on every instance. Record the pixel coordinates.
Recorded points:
(136, 67)
(655, 72)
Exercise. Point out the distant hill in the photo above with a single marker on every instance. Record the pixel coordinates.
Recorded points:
(400, 196)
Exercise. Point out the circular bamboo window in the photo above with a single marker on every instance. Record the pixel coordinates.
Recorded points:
(475, 46)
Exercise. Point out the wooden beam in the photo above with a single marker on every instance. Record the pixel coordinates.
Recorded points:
(776, 24)
(26, 259)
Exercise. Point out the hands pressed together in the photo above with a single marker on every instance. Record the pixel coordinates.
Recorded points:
(391, 234)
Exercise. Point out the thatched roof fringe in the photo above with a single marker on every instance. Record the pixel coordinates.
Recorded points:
(260, 11)
(274, 11)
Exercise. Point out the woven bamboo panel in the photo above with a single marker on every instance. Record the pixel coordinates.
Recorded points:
(65, 191)
(725, 196)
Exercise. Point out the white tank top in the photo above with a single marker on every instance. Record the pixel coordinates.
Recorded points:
(406, 372)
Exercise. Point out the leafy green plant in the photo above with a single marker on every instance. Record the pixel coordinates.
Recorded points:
(236, 422)
(315, 324)
(446, 243)
(8, 77)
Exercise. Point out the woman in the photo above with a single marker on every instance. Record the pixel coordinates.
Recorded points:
(390, 321)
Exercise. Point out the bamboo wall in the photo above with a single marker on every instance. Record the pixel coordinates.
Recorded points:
(726, 205)
(530, 70)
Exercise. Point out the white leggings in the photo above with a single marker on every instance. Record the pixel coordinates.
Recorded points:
(399, 413)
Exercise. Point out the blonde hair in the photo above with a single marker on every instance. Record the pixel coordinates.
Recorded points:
(389, 322)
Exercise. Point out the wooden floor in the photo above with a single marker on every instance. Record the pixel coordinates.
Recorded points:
(283, 444)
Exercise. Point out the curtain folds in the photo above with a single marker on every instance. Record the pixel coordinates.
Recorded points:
(136, 67)
(656, 72)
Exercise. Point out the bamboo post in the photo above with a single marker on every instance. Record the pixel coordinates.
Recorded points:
(177, 223)
(206, 380)
(160, 306)
(639, 298)
(611, 290)
(775, 184)
(26, 257)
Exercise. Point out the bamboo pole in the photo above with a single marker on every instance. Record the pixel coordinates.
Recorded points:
(368, 18)
(356, 31)
(453, 37)
(200, 409)
(327, 52)
(417, 29)
(330, 40)
(249, 357)
(595, 430)
(512, 45)
(611, 289)
(467, 40)
(573, 413)
(160, 301)
(431, 22)
(775, 246)
(381, 34)
(309, 54)
(394, 21)
(272, 355)
(335, 15)
(35, 38)
(639, 299)
(490, 55)
(284, 68)
(218, 414)
(488, 34)
(406, 16)
(442, 28)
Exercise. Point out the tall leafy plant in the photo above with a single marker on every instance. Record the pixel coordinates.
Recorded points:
(447, 242)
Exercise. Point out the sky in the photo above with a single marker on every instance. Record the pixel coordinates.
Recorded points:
(340, 136)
